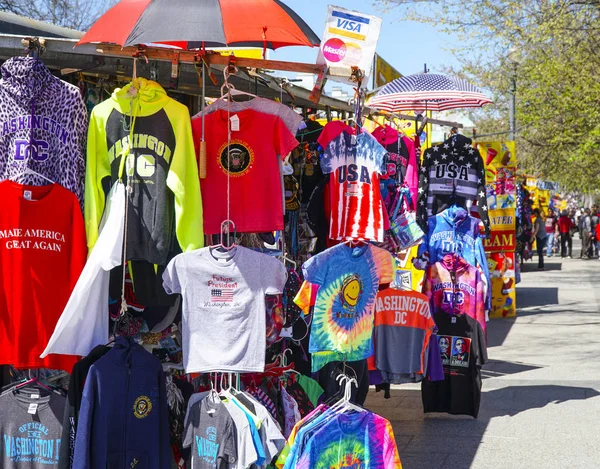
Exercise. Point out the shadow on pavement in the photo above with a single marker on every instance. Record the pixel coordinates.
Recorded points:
(499, 368)
(548, 266)
(535, 297)
(442, 441)
(499, 328)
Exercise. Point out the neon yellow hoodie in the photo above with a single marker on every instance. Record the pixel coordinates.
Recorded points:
(156, 140)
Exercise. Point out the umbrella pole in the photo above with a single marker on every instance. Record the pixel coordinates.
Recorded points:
(202, 156)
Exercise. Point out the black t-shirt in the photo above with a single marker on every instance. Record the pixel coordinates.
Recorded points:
(464, 351)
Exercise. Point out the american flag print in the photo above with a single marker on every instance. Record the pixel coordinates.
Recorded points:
(221, 295)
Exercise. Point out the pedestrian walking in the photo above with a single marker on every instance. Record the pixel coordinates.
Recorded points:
(597, 233)
(594, 239)
(551, 229)
(540, 235)
(565, 228)
(585, 233)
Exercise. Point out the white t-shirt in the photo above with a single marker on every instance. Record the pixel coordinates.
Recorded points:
(224, 318)
(84, 322)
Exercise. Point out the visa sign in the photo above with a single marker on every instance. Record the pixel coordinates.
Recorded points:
(348, 25)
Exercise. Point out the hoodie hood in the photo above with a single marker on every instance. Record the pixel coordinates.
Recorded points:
(27, 79)
(459, 141)
(148, 97)
(454, 263)
(455, 215)
(127, 352)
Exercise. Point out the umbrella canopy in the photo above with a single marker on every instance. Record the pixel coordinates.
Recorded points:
(190, 24)
(430, 91)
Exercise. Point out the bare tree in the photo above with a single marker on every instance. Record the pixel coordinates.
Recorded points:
(76, 14)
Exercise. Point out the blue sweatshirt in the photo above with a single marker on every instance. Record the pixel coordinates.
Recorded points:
(454, 231)
(123, 421)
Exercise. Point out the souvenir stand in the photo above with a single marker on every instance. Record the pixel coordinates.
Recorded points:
(178, 256)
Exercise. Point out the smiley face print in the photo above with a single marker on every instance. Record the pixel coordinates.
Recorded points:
(352, 289)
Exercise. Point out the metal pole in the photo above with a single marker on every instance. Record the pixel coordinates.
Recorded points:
(513, 98)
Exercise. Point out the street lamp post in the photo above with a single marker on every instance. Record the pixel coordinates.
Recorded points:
(512, 55)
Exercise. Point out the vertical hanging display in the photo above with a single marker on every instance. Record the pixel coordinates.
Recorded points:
(501, 190)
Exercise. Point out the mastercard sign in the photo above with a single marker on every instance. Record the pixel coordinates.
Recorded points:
(349, 40)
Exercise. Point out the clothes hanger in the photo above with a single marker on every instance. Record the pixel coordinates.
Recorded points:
(31, 172)
(225, 231)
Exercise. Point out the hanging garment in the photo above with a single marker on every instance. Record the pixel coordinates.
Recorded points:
(455, 232)
(291, 413)
(42, 253)
(227, 291)
(348, 280)
(403, 328)
(84, 321)
(210, 431)
(74, 397)
(44, 127)
(402, 162)
(157, 143)
(463, 351)
(123, 416)
(333, 130)
(288, 116)
(250, 162)
(452, 173)
(31, 429)
(355, 164)
(453, 286)
(407, 276)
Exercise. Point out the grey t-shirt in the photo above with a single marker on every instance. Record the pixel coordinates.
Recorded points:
(31, 429)
(224, 319)
(210, 432)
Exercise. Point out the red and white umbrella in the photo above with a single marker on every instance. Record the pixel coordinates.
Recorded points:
(428, 91)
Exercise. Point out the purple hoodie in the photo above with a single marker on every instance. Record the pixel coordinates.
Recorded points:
(43, 127)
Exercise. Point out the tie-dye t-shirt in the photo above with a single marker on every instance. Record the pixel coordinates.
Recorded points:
(348, 279)
(357, 441)
(356, 204)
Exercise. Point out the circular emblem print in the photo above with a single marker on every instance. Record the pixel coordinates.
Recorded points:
(334, 50)
(238, 159)
(142, 407)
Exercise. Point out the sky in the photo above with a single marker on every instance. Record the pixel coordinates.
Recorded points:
(407, 45)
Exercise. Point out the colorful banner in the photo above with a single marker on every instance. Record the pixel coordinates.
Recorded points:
(349, 40)
(384, 72)
(502, 272)
(500, 161)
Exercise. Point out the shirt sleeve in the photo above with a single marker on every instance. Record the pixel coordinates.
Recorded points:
(171, 275)
(423, 190)
(284, 140)
(315, 268)
(229, 449)
(303, 298)
(391, 458)
(381, 156)
(188, 431)
(273, 275)
(482, 205)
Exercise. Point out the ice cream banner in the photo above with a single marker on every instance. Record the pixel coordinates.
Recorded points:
(500, 173)
(349, 40)
(504, 304)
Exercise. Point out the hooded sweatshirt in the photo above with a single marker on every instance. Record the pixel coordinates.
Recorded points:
(42, 127)
(454, 231)
(123, 419)
(452, 173)
(155, 133)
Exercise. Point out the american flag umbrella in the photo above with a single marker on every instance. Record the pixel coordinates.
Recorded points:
(193, 24)
(428, 91)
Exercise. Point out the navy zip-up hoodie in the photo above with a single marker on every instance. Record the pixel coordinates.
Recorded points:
(123, 421)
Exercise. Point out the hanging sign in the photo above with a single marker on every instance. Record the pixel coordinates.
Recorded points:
(349, 40)
(384, 72)
(502, 272)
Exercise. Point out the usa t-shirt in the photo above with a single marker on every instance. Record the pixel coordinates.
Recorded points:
(250, 162)
(348, 280)
(355, 164)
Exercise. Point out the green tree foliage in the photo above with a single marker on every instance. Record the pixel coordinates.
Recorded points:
(553, 49)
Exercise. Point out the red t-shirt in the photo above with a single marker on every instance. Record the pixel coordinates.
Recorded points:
(42, 252)
(256, 200)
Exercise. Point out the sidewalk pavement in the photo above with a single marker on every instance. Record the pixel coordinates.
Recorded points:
(540, 406)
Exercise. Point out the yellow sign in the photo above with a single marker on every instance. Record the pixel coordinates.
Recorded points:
(242, 52)
(384, 72)
(500, 163)
(503, 220)
(502, 272)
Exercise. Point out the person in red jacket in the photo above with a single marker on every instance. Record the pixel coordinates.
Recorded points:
(565, 225)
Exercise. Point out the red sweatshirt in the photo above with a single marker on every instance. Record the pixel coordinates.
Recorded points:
(565, 224)
(42, 252)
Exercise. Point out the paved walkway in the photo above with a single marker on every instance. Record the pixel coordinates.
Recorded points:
(541, 391)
